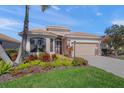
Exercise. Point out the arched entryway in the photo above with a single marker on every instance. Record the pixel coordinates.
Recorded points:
(58, 46)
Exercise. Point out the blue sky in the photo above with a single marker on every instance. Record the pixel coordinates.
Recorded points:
(90, 19)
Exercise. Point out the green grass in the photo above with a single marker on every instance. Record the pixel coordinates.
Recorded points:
(73, 77)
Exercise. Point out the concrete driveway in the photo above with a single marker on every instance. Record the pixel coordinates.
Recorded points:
(115, 66)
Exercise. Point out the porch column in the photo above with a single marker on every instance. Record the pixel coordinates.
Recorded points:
(99, 49)
(28, 45)
(53, 45)
(72, 45)
(48, 45)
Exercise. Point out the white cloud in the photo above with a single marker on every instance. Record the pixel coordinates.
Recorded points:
(19, 11)
(55, 7)
(68, 9)
(8, 24)
(35, 25)
(98, 14)
(119, 22)
(55, 17)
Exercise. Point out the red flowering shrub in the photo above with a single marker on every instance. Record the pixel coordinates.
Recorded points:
(45, 57)
(30, 58)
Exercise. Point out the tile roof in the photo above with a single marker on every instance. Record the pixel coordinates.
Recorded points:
(58, 28)
(81, 34)
(61, 31)
(42, 31)
(7, 38)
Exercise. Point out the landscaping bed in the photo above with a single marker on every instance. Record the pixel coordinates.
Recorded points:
(121, 57)
(33, 65)
(117, 57)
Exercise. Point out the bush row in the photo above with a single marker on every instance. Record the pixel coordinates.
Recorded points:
(45, 57)
(39, 65)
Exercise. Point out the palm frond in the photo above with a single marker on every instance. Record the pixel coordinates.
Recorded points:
(44, 7)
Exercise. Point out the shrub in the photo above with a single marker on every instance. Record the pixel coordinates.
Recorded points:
(47, 66)
(0, 59)
(67, 63)
(15, 72)
(39, 63)
(30, 58)
(13, 56)
(35, 62)
(57, 64)
(23, 66)
(45, 57)
(62, 61)
(42, 64)
(10, 51)
(26, 68)
(79, 61)
(54, 57)
(4, 68)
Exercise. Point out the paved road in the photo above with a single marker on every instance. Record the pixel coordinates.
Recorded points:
(115, 66)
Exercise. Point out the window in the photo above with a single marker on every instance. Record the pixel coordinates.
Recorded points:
(32, 41)
(51, 45)
(1, 42)
(42, 44)
(38, 44)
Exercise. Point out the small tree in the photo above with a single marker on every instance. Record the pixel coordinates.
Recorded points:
(115, 35)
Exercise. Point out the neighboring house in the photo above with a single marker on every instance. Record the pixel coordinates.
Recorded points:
(8, 42)
(58, 39)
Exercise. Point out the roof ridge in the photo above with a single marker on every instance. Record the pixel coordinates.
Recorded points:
(82, 34)
(8, 38)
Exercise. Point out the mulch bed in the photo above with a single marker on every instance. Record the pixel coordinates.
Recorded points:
(6, 77)
(20, 73)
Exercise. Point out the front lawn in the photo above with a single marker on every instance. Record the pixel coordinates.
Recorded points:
(79, 77)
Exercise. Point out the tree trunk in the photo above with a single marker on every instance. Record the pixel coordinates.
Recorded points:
(4, 56)
(19, 58)
(25, 32)
(22, 49)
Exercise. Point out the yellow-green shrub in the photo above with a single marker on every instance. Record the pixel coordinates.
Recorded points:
(4, 68)
(79, 61)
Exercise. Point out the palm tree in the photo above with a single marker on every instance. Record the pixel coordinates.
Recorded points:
(26, 29)
(22, 51)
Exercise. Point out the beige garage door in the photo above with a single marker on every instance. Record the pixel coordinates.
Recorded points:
(85, 49)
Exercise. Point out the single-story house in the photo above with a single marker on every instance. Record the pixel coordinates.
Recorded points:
(59, 39)
(9, 42)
